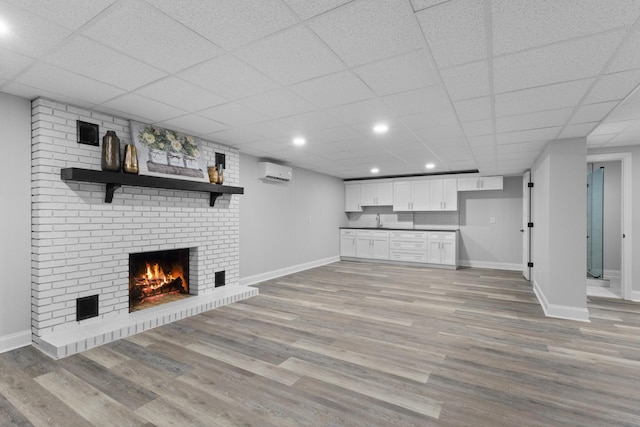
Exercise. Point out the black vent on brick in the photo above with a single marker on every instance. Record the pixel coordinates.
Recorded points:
(219, 278)
(221, 159)
(86, 307)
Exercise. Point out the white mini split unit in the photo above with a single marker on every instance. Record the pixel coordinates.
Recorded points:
(273, 172)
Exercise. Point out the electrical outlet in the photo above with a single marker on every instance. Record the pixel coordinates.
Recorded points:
(492, 220)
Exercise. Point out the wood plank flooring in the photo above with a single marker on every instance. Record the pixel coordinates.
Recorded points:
(350, 344)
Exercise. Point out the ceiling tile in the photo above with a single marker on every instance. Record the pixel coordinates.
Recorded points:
(234, 114)
(423, 4)
(272, 129)
(395, 127)
(230, 24)
(541, 98)
(613, 86)
(67, 83)
(11, 63)
(598, 140)
(419, 100)
(467, 81)
(334, 89)
(624, 112)
(367, 31)
(429, 119)
(523, 148)
(474, 109)
(291, 56)
(455, 31)
(161, 43)
(628, 57)
(478, 128)
(193, 125)
(440, 133)
(278, 103)
(341, 133)
(482, 141)
(571, 60)
(541, 119)
(234, 137)
(593, 112)
(398, 74)
(132, 104)
(84, 56)
(578, 130)
(370, 110)
(305, 123)
(73, 14)
(527, 135)
(524, 24)
(306, 9)
(229, 77)
(31, 35)
(181, 94)
(625, 138)
(30, 92)
(611, 128)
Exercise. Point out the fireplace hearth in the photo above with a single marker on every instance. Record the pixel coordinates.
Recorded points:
(157, 278)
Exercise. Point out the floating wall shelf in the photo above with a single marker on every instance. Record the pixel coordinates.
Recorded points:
(115, 180)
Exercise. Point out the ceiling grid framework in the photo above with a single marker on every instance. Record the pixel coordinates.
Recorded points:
(464, 84)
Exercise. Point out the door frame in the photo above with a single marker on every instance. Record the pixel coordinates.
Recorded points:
(627, 215)
(526, 230)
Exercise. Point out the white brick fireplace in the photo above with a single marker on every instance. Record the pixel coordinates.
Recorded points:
(81, 245)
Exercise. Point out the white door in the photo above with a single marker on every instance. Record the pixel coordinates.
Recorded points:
(380, 249)
(385, 193)
(368, 194)
(433, 254)
(450, 194)
(402, 196)
(448, 252)
(420, 195)
(352, 198)
(348, 246)
(363, 247)
(526, 219)
(436, 195)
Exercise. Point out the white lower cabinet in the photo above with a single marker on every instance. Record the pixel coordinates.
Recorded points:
(372, 244)
(443, 248)
(348, 243)
(408, 246)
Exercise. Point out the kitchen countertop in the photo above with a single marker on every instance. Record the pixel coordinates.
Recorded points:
(397, 229)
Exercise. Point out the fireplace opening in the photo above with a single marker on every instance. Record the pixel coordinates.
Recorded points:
(157, 278)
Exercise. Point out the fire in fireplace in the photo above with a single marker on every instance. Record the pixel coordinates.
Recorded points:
(157, 277)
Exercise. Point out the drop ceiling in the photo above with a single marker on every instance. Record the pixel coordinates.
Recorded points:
(464, 84)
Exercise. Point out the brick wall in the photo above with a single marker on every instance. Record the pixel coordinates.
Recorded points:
(80, 244)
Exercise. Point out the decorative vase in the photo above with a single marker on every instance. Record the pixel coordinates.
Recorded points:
(220, 174)
(213, 174)
(191, 162)
(130, 164)
(158, 157)
(175, 159)
(110, 152)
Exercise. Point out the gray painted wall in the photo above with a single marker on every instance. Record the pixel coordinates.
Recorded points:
(15, 215)
(484, 242)
(635, 206)
(559, 217)
(612, 218)
(287, 224)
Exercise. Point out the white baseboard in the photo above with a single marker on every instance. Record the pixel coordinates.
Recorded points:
(635, 296)
(560, 311)
(257, 278)
(611, 274)
(492, 265)
(13, 341)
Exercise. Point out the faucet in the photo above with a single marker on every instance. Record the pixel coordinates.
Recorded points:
(378, 222)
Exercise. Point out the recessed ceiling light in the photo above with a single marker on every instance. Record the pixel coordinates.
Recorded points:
(299, 141)
(4, 28)
(380, 128)
(429, 166)
(375, 170)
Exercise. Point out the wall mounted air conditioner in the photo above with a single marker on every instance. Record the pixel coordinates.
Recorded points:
(273, 172)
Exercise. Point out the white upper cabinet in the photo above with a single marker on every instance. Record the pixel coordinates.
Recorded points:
(479, 183)
(443, 194)
(352, 198)
(376, 194)
(411, 195)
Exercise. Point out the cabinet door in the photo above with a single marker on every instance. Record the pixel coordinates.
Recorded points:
(380, 248)
(402, 196)
(448, 252)
(368, 194)
(352, 198)
(450, 194)
(436, 195)
(348, 246)
(433, 252)
(385, 193)
(420, 195)
(363, 247)
(491, 183)
(468, 184)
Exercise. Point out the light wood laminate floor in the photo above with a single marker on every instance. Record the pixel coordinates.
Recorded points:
(350, 344)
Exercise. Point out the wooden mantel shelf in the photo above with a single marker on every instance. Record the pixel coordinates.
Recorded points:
(115, 180)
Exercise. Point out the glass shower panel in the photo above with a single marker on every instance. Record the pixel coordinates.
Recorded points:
(595, 217)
